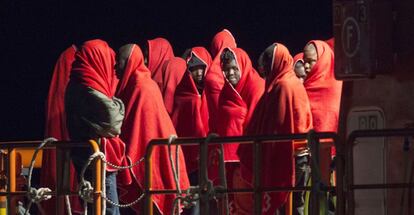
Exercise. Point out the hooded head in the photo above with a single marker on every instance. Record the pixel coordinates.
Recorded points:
(223, 39)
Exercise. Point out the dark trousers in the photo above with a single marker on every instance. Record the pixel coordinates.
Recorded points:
(302, 174)
(79, 157)
(195, 210)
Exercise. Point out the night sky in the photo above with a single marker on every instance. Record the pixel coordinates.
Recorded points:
(34, 33)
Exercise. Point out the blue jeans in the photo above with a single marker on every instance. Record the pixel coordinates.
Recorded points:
(79, 157)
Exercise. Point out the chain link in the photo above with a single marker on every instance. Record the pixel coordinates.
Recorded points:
(124, 205)
(103, 158)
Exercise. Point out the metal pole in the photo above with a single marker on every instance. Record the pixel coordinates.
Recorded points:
(203, 178)
(98, 179)
(315, 175)
(349, 156)
(148, 206)
(257, 169)
(62, 177)
(59, 179)
(224, 209)
(340, 176)
(3, 183)
(11, 206)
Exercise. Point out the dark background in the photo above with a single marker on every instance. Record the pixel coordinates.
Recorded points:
(34, 33)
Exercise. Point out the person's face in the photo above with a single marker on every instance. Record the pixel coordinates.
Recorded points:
(197, 72)
(310, 56)
(145, 53)
(266, 66)
(260, 67)
(120, 64)
(231, 71)
(300, 70)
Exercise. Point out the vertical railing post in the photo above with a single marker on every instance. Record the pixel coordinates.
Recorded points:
(289, 204)
(3, 182)
(11, 175)
(98, 179)
(203, 179)
(315, 173)
(148, 206)
(59, 179)
(340, 174)
(224, 209)
(257, 169)
(350, 175)
(62, 177)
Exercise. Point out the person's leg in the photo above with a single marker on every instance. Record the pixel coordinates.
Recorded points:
(195, 210)
(111, 193)
(301, 174)
(79, 158)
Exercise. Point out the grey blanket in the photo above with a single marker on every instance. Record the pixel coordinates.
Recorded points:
(91, 114)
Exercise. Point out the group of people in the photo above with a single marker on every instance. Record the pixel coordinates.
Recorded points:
(125, 99)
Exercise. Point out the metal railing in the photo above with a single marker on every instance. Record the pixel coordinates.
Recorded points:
(350, 187)
(313, 139)
(62, 169)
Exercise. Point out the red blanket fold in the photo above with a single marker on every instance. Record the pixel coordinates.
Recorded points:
(173, 71)
(297, 57)
(331, 43)
(145, 119)
(159, 51)
(222, 39)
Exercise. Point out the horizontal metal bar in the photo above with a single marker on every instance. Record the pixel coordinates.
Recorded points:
(167, 191)
(15, 193)
(34, 144)
(250, 190)
(380, 186)
(22, 193)
(273, 189)
(244, 139)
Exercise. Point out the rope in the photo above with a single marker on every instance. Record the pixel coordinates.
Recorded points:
(68, 207)
(85, 187)
(175, 170)
(33, 194)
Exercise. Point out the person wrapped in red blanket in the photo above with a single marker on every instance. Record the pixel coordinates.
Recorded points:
(56, 127)
(283, 109)
(214, 80)
(93, 112)
(324, 93)
(242, 89)
(299, 66)
(145, 119)
(190, 112)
